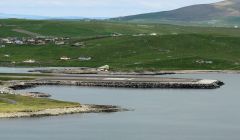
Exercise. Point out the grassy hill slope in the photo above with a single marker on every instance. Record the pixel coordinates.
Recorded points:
(175, 47)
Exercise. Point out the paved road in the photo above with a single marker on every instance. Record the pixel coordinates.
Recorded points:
(117, 78)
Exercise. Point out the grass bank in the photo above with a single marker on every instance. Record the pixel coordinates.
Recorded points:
(17, 103)
(128, 53)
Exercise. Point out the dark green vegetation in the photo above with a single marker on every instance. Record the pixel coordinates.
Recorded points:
(17, 103)
(174, 48)
(23, 74)
(14, 78)
(20, 76)
(224, 13)
(89, 29)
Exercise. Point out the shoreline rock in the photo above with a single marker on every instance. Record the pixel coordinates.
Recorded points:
(65, 111)
(36, 95)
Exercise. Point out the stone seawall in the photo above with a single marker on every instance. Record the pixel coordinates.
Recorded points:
(200, 84)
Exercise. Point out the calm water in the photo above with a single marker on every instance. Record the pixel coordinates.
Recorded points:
(23, 69)
(163, 114)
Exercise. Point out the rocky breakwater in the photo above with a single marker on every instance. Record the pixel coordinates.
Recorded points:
(124, 83)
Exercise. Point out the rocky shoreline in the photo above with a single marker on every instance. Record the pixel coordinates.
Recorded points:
(64, 111)
(10, 87)
(87, 108)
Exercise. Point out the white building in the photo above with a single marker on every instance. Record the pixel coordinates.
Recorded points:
(65, 58)
(30, 61)
(19, 42)
(84, 58)
(153, 34)
(59, 42)
(104, 68)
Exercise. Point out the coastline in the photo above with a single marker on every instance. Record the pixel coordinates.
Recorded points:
(170, 72)
(65, 111)
(116, 80)
(88, 70)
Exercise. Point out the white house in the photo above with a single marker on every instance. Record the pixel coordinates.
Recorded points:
(84, 58)
(59, 42)
(65, 58)
(6, 55)
(30, 61)
(104, 68)
(153, 34)
(19, 42)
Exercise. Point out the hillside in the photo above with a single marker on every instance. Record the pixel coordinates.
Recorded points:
(170, 48)
(88, 28)
(217, 14)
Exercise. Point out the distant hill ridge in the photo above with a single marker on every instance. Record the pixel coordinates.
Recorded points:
(36, 17)
(227, 11)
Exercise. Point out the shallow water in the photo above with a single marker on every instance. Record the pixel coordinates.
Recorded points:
(168, 114)
(24, 69)
(14, 70)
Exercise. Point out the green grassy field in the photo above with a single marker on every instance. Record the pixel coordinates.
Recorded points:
(175, 47)
(29, 104)
(83, 29)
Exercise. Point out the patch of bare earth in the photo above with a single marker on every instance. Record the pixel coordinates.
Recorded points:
(26, 32)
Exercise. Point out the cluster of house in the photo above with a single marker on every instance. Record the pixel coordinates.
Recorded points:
(34, 41)
(65, 58)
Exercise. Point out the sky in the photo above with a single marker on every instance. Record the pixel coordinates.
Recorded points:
(92, 8)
